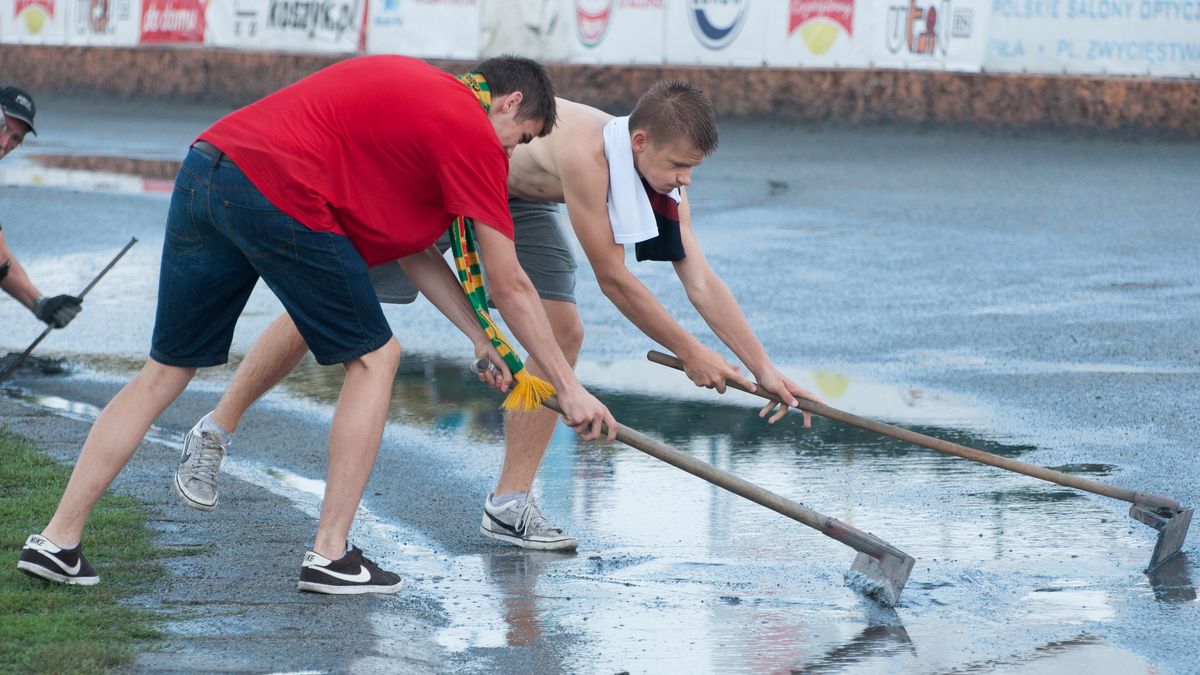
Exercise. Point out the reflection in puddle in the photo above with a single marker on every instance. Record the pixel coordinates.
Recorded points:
(675, 574)
(92, 173)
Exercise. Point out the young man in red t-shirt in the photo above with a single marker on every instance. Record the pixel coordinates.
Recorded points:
(366, 161)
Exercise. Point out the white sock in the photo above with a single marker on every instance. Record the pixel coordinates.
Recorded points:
(207, 423)
(501, 500)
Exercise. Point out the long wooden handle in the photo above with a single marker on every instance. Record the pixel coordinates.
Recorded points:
(849, 535)
(946, 447)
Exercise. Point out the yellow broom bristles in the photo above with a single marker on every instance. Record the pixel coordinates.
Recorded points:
(528, 392)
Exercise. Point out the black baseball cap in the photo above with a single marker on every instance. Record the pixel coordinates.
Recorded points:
(19, 104)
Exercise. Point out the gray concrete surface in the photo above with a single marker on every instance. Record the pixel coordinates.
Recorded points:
(1031, 295)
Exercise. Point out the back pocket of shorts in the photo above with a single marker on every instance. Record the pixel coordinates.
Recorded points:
(182, 236)
(267, 235)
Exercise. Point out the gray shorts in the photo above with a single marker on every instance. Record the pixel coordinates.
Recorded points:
(541, 249)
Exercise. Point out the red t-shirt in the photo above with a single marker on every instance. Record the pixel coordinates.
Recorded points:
(386, 150)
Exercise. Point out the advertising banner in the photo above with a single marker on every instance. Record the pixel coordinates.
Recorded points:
(33, 21)
(102, 22)
(718, 32)
(286, 25)
(817, 34)
(617, 31)
(447, 29)
(167, 22)
(1119, 37)
(927, 34)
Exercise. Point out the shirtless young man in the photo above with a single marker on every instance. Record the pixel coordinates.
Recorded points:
(670, 132)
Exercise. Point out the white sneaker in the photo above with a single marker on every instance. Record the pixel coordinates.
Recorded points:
(196, 477)
(521, 523)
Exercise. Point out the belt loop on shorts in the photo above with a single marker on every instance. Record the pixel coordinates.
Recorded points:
(210, 151)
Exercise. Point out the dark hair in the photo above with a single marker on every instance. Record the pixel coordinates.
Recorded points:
(509, 73)
(673, 109)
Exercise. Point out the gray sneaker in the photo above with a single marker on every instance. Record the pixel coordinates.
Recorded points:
(521, 523)
(196, 477)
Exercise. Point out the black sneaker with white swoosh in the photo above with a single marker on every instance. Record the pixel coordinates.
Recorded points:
(41, 558)
(350, 575)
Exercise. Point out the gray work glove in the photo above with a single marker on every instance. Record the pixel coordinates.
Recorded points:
(58, 310)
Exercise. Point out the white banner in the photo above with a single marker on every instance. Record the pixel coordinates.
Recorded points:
(1123, 37)
(927, 34)
(286, 25)
(33, 22)
(446, 29)
(718, 32)
(111, 23)
(617, 31)
(1156, 38)
(817, 33)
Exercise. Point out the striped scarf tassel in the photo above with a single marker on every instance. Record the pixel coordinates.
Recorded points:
(528, 390)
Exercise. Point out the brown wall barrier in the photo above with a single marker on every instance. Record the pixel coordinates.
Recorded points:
(1105, 104)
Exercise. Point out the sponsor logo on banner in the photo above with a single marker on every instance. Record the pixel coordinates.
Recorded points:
(325, 19)
(389, 15)
(392, 13)
(34, 13)
(591, 20)
(716, 23)
(173, 21)
(819, 21)
(100, 17)
(926, 27)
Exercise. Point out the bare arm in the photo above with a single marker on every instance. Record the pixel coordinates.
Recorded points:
(509, 287)
(17, 283)
(433, 277)
(585, 181)
(711, 297)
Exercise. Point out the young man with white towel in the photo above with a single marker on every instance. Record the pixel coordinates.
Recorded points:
(623, 180)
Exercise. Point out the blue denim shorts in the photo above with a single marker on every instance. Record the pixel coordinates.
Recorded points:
(542, 251)
(222, 236)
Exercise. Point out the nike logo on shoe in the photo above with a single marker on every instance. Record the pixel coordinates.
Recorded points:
(363, 576)
(43, 546)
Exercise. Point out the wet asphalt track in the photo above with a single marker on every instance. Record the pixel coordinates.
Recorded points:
(1034, 295)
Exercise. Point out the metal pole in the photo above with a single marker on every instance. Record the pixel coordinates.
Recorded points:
(25, 354)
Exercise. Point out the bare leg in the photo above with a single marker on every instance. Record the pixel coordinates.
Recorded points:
(111, 443)
(354, 442)
(527, 434)
(275, 354)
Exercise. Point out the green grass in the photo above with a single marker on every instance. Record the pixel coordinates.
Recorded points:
(81, 629)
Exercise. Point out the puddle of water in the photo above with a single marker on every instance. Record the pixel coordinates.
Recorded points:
(674, 573)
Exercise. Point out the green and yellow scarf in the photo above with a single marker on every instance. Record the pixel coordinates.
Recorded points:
(528, 391)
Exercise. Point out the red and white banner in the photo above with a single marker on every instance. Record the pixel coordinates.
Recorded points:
(617, 31)
(33, 21)
(169, 22)
(1155, 38)
(819, 33)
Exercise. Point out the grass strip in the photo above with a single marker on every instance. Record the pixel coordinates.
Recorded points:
(49, 627)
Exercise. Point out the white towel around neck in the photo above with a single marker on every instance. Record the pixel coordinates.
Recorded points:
(628, 204)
